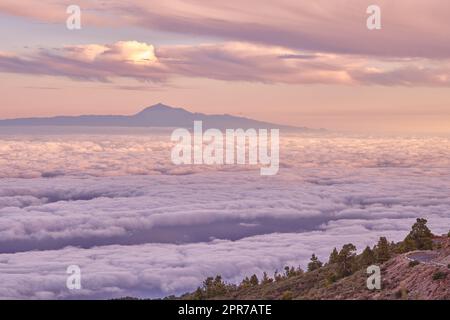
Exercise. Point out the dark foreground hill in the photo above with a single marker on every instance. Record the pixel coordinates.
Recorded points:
(401, 279)
(416, 268)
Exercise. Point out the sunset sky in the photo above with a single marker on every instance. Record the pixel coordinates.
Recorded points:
(294, 62)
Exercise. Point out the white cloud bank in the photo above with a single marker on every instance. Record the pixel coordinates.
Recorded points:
(153, 270)
(144, 227)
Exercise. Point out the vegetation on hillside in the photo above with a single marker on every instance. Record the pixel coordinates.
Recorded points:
(293, 282)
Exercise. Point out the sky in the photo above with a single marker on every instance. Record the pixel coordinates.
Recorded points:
(292, 62)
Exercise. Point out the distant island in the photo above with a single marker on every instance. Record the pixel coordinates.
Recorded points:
(158, 115)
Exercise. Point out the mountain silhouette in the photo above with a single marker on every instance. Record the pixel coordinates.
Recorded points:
(158, 115)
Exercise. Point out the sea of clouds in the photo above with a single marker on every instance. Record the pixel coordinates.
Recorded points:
(138, 225)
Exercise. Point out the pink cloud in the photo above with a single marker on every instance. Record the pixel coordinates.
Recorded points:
(231, 61)
(411, 28)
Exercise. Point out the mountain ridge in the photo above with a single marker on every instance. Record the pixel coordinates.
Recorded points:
(158, 115)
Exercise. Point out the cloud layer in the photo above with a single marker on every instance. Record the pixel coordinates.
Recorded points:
(155, 270)
(136, 225)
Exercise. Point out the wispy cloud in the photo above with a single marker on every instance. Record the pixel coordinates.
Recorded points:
(231, 61)
(322, 26)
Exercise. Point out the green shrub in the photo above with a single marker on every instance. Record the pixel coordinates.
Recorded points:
(439, 275)
(402, 293)
(332, 278)
(287, 295)
(413, 263)
(314, 264)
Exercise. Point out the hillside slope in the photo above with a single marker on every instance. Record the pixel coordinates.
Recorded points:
(399, 281)
(416, 274)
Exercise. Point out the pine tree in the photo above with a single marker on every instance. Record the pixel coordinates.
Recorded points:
(266, 279)
(278, 277)
(213, 287)
(219, 286)
(289, 271)
(254, 280)
(245, 283)
(382, 250)
(315, 263)
(333, 257)
(346, 260)
(367, 258)
(299, 271)
(407, 245)
(420, 237)
(208, 283)
(198, 294)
